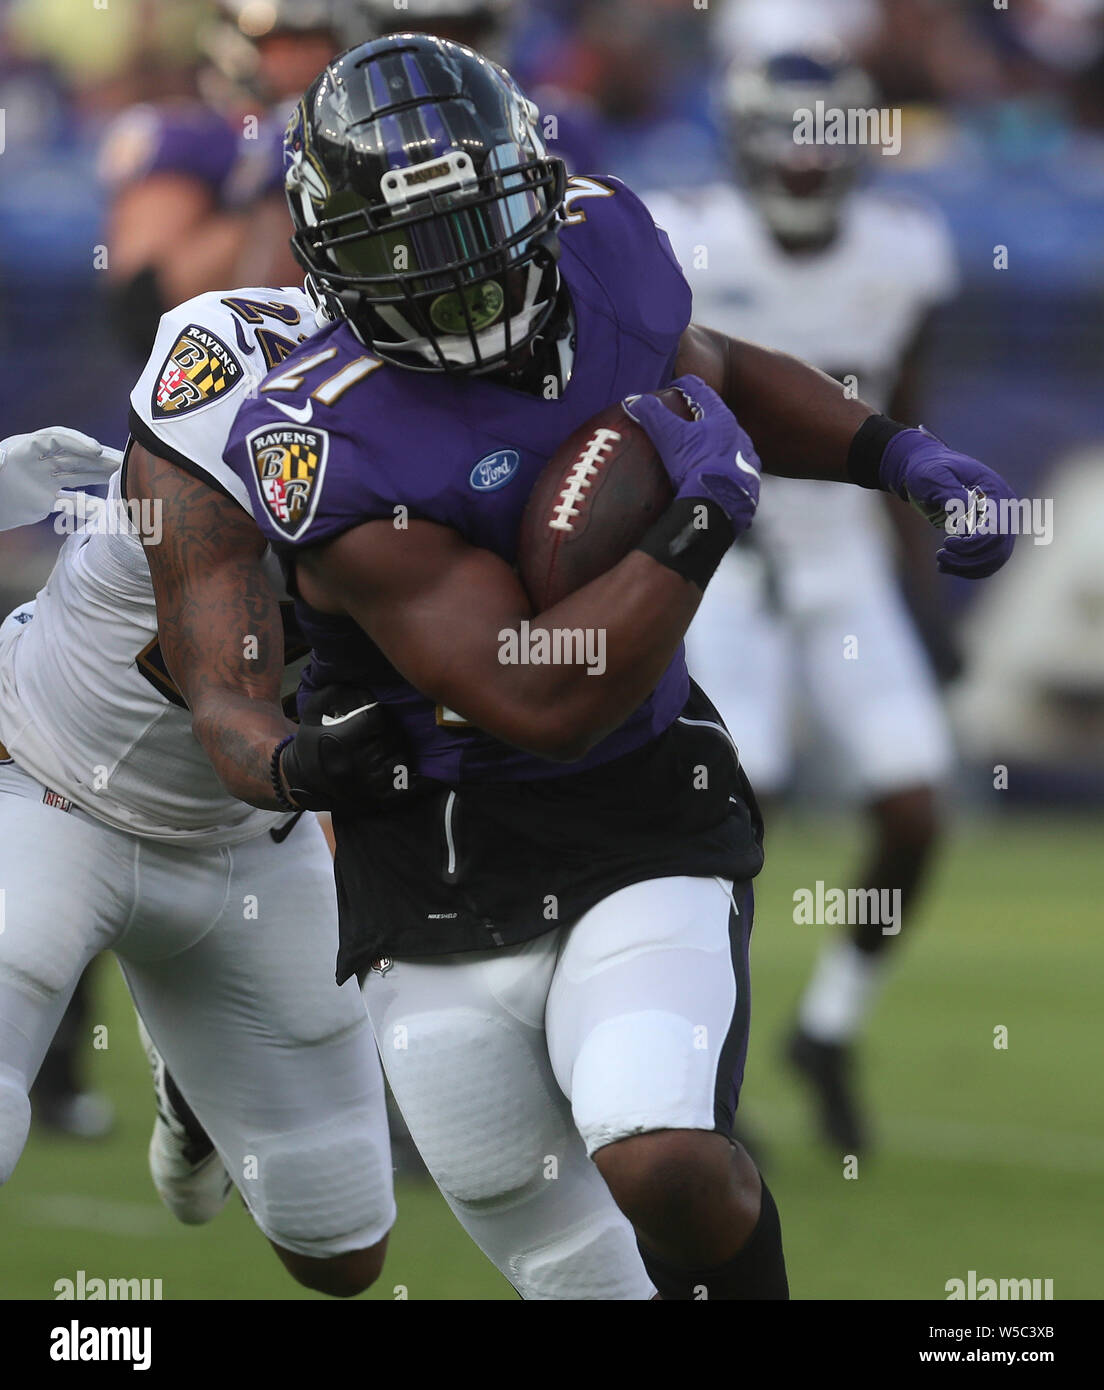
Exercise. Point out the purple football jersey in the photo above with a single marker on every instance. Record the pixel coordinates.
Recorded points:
(336, 438)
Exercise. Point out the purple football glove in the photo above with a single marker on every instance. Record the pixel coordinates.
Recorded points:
(953, 491)
(709, 456)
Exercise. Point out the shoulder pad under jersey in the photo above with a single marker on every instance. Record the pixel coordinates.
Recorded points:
(914, 234)
(299, 445)
(629, 258)
(209, 354)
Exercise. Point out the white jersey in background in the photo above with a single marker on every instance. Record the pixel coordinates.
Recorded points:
(86, 704)
(853, 307)
(818, 556)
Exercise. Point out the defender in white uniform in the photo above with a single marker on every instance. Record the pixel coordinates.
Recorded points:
(116, 833)
(804, 621)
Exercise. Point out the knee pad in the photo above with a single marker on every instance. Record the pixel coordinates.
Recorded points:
(484, 1144)
(595, 1260)
(641, 1072)
(322, 1191)
(15, 1122)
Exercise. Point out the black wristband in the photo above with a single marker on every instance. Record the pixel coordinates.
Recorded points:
(692, 537)
(864, 457)
(274, 773)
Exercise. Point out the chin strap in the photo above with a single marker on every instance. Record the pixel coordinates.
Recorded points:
(324, 310)
(558, 353)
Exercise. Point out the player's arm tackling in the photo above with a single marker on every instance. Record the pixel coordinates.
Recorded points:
(218, 623)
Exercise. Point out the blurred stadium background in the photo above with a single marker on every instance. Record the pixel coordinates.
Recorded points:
(987, 1159)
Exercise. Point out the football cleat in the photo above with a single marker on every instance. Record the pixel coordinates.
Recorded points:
(186, 1168)
(827, 1069)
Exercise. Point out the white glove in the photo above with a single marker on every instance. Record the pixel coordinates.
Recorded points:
(35, 467)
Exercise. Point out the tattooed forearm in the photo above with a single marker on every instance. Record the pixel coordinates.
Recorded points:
(238, 735)
(218, 623)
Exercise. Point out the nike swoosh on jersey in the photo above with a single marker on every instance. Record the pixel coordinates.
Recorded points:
(742, 462)
(300, 414)
(329, 719)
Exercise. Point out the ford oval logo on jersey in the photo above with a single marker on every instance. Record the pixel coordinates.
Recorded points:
(495, 470)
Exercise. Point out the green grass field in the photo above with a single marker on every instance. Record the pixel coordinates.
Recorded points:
(990, 1160)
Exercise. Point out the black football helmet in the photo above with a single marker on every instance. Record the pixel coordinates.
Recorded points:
(799, 189)
(426, 209)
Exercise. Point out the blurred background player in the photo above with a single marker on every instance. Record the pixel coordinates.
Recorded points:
(805, 618)
(196, 184)
(572, 126)
(481, 24)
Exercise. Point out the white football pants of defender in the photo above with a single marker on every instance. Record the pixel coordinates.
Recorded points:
(512, 1066)
(853, 665)
(228, 953)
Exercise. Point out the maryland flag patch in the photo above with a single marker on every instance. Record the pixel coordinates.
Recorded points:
(199, 370)
(289, 463)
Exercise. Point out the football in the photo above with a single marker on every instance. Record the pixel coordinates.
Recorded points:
(596, 497)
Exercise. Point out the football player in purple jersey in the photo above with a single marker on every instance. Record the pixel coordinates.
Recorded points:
(551, 922)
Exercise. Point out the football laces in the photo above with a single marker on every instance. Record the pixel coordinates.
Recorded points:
(585, 468)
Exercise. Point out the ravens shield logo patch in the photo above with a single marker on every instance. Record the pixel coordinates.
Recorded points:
(198, 371)
(288, 463)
